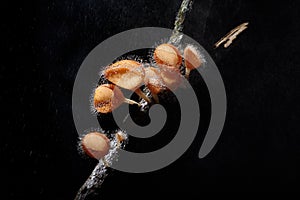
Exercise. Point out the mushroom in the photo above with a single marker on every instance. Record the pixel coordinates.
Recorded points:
(128, 74)
(95, 145)
(171, 77)
(120, 137)
(192, 59)
(167, 55)
(154, 82)
(108, 97)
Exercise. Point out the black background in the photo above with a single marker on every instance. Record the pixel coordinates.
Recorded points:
(44, 45)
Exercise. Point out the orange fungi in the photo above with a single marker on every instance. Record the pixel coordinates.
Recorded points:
(171, 77)
(95, 145)
(154, 82)
(128, 74)
(167, 54)
(108, 97)
(192, 59)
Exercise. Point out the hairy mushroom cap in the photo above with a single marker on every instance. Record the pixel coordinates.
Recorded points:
(153, 80)
(192, 58)
(171, 77)
(107, 97)
(95, 145)
(167, 54)
(128, 74)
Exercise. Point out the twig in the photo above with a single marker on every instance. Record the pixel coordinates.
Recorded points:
(94, 181)
(229, 37)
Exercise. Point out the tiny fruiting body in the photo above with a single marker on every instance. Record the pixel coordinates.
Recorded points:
(120, 137)
(153, 80)
(128, 74)
(171, 77)
(167, 55)
(192, 59)
(108, 97)
(95, 145)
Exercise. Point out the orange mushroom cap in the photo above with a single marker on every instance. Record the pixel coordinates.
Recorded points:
(167, 54)
(153, 80)
(171, 77)
(95, 145)
(192, 58)
(107, 97)
(128, 74)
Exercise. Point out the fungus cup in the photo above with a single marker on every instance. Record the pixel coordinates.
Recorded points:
(192, 59)
(167, 54)
(154, 82)
(108, 97)
(128, 74)
(95, 145)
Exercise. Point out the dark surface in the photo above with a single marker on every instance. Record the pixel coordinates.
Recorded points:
(46, 41)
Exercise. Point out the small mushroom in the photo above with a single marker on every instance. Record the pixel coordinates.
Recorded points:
(120, 137)
(128, 74)
(95, 145)
(167, 55)
(108, 97)
(154, 82)
(192, 59)
(171, 77)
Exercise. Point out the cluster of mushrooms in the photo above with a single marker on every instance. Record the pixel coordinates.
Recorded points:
(163, 74)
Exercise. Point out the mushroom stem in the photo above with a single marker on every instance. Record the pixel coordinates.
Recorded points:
(142, 95)
(131, 102)
(187, 72)
(155, 97)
